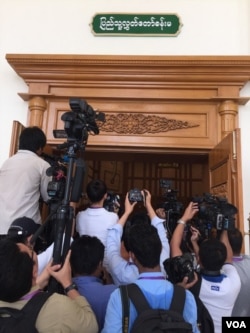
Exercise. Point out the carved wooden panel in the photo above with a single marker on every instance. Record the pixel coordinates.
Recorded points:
(160, 126)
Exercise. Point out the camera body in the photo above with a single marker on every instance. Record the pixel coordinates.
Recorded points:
(56, 189)
(112, 202)
(170, 195)
(135, 195)
(79, 122)
(58, 172)
(179, 267)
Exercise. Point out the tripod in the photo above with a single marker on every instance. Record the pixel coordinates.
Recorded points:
(65, 212)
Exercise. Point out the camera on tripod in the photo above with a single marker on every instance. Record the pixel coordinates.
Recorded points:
(172, 207)
(79, 122)
(171, 203)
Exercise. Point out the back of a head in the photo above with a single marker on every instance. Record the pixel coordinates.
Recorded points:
(32, 138)
(212, 254)
(96, 189)
(16, 271)
(143, 240)
(236, 240)
(86, 254)
(135, 218)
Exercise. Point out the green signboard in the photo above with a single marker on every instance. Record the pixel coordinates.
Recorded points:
(136, 24)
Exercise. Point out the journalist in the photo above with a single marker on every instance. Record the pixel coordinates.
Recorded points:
(23, 180)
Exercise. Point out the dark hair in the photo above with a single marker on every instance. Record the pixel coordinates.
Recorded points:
(16, 271)
(236, 240)
(86, 254)
(32, 138)
(96, 189)
(212, 254)
(144, 241)
(135, 218)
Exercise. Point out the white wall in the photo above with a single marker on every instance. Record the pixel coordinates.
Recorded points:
(210, 27)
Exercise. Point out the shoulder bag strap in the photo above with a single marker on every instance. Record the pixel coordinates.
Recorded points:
(178, 300)
(34, 305)
(125, 308)
(138, 298)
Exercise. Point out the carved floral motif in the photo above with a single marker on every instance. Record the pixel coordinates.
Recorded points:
(140, 124)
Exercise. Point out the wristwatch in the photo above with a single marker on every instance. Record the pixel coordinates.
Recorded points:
(70, 287)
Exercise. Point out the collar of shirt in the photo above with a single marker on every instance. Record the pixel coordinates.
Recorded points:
(217, 278)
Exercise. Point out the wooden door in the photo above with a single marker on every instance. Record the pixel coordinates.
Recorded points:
(225, 172)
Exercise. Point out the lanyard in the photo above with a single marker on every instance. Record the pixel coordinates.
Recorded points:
(30, 295)
(239, 258)
(151, 278)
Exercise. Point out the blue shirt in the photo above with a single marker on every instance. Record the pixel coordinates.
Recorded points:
(96, 293)
(122, 271)
(158, 291)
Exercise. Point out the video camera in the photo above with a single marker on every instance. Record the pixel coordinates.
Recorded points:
(170, 195)
(58, 171)
(214, 212)
(79, 122)
(173, 208)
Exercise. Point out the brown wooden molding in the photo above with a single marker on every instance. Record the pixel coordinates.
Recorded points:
(200, 94)
(174, 70)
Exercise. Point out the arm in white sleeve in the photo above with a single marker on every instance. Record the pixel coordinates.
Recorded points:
(165, 252)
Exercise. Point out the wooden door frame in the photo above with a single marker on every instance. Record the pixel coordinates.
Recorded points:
(166, 104)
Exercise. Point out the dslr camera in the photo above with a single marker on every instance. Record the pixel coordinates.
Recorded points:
(112, 202)
(179, 267)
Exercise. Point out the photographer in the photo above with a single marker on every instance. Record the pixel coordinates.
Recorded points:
(220, 282)
(23, 180)
(95, 220)
(19, 282)
(122, 269)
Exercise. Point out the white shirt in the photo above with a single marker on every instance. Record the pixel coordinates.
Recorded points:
(22, 180)
(242, 303)
(95, 222)
(219, 297)
(44, 258)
